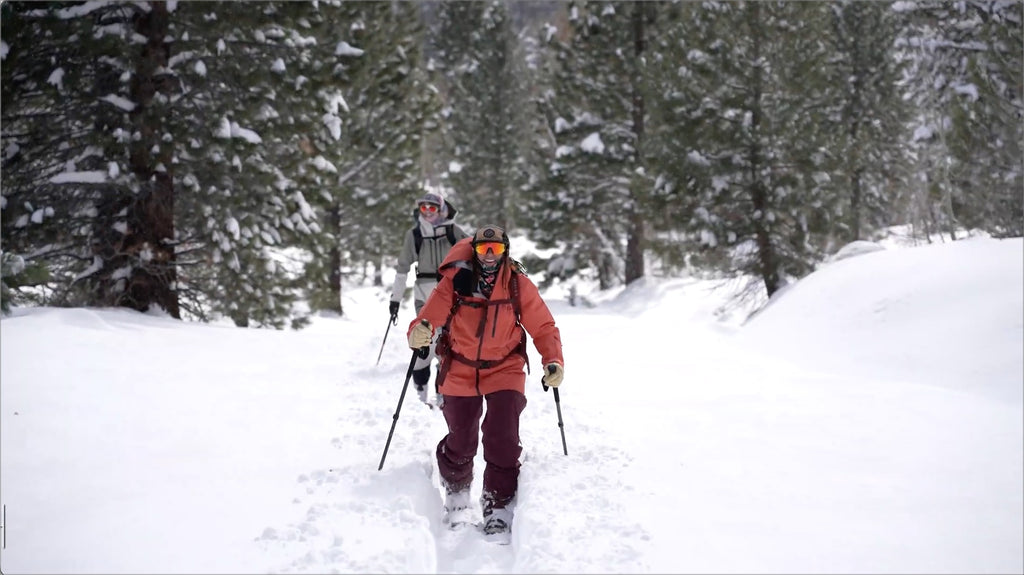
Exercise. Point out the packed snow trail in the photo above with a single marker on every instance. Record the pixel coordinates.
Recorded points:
(333, 535)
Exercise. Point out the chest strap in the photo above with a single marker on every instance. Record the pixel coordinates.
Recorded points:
(444, 343)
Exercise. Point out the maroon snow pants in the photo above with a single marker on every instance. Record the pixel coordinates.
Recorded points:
(501, 444)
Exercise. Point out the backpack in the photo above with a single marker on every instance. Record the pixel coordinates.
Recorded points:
(417, 236)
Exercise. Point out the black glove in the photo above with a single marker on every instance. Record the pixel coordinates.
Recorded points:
(393, 308)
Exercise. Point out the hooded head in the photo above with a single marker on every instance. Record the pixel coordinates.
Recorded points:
(432, 207)
(490, 246)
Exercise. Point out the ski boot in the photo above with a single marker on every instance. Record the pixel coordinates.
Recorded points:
(498, 526)
(457, 511)
(420, 377)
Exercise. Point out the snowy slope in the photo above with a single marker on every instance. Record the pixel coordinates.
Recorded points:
(865, 422)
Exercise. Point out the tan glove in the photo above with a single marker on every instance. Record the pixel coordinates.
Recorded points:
(553, 377)
(420, 335)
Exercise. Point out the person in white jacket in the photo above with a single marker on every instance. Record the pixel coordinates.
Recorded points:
(426, 244)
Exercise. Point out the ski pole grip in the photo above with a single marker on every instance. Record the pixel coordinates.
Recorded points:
(425, 350)
(551, 369)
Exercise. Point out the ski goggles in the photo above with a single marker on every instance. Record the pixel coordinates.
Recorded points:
(429, 208)
(497, 248)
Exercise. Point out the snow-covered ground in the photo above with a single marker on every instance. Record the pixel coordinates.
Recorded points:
(868, 420)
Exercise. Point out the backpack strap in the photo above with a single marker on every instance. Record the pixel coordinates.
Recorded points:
(417, 238)
(513, 287)
(443, 349)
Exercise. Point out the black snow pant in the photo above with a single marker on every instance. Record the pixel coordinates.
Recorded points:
(456, 451)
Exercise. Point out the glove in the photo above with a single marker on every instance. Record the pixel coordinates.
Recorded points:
(393, 308)
(420, 335)
(553, 378)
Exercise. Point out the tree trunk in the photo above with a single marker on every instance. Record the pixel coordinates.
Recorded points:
(635, 237)
(149, 241)
(335, 274)
(767, 260)
(378, 273)
(855, 204)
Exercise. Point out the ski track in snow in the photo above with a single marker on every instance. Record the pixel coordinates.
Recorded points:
(347, 512)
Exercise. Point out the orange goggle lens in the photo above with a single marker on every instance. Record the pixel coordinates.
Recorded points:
(428, 208)
(482, 248)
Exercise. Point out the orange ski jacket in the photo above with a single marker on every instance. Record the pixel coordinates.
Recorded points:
(486, 351)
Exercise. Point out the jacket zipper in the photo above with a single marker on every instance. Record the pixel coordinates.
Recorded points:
(480, 346)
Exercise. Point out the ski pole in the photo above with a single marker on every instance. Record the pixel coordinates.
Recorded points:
(558, 408)
(421, 352)
(393, 320)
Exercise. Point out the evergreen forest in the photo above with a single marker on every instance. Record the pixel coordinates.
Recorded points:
(245, 160)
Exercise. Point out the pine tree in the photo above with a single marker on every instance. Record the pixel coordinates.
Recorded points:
(473, 42)
(868, 121)
(534, 133)
(86, 179)
(987, 132)
(246, 102)
(740, 137)
(589, 202)
(371, 150)
(966, 66)
(232, 128)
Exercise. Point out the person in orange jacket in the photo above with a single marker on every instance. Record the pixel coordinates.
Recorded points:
(484, 302)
